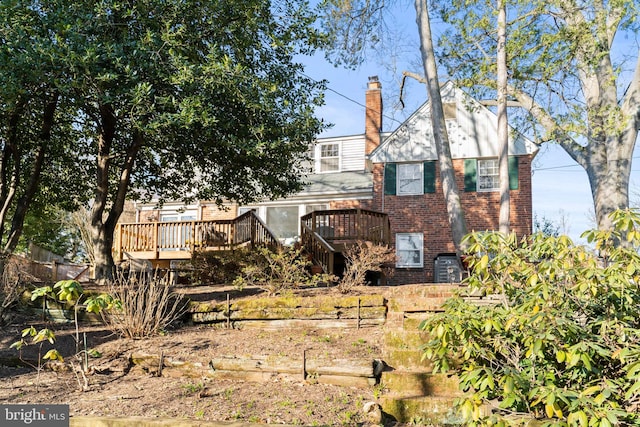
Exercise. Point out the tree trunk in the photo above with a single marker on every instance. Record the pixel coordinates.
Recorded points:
(102, 246)
(609, 181)
(447, 175)
(106, 210)
(503, 126)
(9, 167)
(103, 269)
(24, 202)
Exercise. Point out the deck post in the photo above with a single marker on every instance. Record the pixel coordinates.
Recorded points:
(156, 239)
(232, 234)
(254, 227)
(119, 243)
(192, 242)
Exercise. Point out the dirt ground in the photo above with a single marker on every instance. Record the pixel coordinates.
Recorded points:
(115, 388)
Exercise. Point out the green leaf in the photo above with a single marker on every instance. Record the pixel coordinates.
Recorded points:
(591, 390)
(41, 292)
(53, 354)
(94, 353)
(484, 262)
(18, 345)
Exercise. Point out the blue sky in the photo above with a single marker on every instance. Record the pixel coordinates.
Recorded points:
(561, 190)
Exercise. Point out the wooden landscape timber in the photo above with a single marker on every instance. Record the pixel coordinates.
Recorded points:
(281, 312)
(344, 372)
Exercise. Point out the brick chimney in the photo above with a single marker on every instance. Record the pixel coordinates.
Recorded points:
(373, 118)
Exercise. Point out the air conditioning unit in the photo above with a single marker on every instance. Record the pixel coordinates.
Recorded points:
(447, 269)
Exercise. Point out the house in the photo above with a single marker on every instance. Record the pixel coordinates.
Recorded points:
(395, 174)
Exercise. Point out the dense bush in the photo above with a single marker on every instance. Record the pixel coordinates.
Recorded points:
(11, 286)
(144, 305)
(216, 267)
(279, 271)
(363, 259)
(561, 344)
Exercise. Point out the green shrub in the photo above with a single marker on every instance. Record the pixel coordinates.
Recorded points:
(561, 343)
(279, 271)
(209, 267)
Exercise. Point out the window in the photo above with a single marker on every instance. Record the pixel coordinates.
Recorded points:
(175, 236)
(284, 222)
(329, 158)
(311, 208)
(488, 176)
(244, 209)
(409, 250)
(482, 174)
(410, 179)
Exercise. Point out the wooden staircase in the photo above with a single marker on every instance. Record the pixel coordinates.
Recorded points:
(325, 234)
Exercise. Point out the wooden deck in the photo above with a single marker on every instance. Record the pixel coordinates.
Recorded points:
(324, 234)
(179, 240)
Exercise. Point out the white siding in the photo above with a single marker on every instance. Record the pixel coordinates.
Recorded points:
(351, 152)
(472, 134)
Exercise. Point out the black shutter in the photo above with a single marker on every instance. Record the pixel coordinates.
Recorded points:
(429, 169)
(470, 174)
(390, 178)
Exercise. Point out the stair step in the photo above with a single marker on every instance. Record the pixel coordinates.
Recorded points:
(412, 321)
(412, 383)
(406, 359)
(403, 339)
(421, 410)
(416, 303)
(423, 290)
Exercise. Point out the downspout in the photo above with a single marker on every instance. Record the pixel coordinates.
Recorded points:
(384, 179)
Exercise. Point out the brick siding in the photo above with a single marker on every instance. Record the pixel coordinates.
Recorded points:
(427, 214)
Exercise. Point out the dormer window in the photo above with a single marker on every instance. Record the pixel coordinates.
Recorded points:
(329, 157)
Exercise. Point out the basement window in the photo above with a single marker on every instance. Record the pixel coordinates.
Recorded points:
(409, 250)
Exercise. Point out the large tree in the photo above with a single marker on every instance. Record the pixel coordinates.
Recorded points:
(354, 27)
(186, 99)
(573, 67)
(36, 128)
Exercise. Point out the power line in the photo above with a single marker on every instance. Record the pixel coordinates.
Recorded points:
(574, 165)
(350, 99)
(400, 122)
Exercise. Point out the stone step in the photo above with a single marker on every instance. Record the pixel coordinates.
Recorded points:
(412, 321)
(402, 349)
(415, 384)
(406, 359)
(404, 339)
(408, 304)
(423, 290)
(437, 411)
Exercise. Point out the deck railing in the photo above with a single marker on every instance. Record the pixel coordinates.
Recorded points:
(326, 232)
(179, 239)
